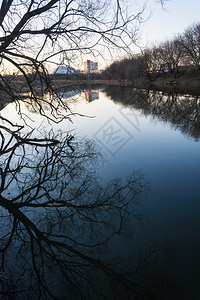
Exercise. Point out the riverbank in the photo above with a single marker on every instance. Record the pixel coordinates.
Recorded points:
(167, 82)
(186, 83)
(67, 83)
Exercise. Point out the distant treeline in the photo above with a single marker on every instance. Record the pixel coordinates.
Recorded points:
(179, 55)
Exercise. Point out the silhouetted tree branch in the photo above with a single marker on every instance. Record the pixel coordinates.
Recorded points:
(33, 33)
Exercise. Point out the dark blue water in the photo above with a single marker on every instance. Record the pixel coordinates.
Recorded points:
(162, 141)
(154, 134)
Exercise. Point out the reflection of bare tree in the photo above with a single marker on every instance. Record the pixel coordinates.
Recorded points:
(58, 222)
(182, 112)
(36, 34)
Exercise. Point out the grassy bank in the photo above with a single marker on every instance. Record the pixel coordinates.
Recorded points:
(185, 83)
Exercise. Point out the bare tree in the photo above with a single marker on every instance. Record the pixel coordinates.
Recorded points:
(190, 42)
(168, 52)
(33, 33)
(57, 220)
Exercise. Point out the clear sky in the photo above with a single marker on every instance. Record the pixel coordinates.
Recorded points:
(174, 19)
(163, 23)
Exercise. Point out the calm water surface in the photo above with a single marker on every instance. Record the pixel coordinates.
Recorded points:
(157, 135)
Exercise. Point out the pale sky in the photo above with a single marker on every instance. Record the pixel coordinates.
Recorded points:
(163, 23)
(174, 19)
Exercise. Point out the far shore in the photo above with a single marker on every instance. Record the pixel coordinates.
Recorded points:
(185, 84)
(169, 83)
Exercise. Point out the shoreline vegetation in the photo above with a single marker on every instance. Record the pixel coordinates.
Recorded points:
(185, 84)
(171, 67)
(188, 83)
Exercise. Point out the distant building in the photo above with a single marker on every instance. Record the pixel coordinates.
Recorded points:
(90, 66)
(164, 68)
(64, 70)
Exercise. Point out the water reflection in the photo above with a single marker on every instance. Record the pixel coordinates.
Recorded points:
(56, 107)
(181, 112)
(92, 95)
(64, 234)
(58, 223)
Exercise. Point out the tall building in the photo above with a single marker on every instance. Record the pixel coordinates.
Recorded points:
(90, 65)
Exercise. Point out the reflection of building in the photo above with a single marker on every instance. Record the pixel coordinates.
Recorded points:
(90, 66)
(92, 95)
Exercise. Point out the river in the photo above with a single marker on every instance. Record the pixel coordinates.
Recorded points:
(155, 136)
